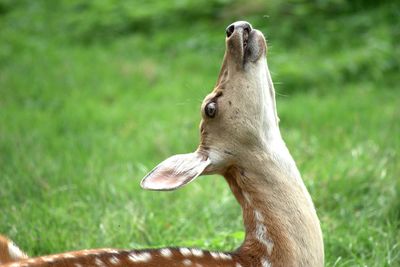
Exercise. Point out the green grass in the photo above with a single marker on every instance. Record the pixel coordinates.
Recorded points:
(81, 124)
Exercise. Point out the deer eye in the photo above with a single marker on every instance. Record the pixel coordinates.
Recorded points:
(211, 109)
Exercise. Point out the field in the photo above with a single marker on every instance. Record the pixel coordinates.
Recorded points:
(83, 119)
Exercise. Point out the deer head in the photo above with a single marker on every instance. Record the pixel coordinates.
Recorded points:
(238, 116)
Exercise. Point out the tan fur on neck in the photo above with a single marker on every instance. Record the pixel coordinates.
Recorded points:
(288, 218)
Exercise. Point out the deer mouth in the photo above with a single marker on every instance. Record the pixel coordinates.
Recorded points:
(244, 44)
(255, 46)
(245, 38)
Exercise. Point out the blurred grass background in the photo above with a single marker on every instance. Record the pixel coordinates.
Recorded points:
(93, 94)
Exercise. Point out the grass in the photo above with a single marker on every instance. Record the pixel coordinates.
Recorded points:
(80, 125)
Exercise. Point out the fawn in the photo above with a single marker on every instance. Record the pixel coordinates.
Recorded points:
(240, 140)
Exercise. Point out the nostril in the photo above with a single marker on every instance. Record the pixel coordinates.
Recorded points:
(230, 30)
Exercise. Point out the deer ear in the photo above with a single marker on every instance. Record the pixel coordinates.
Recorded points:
(175, 172)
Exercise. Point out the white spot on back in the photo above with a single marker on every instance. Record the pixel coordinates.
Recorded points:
(187, 262)
(85, 252)
(48, 259)
(166, 252)
(221, 255)
(185, 252)
(113, 251)
(214, 255)
(238, 265)
(99, 262)
(114, 260)
(68, 256)
(197, 252)
(78, 265)
(139, 257)
(224, 256)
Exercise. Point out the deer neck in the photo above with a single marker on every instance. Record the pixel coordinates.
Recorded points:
(282, 228)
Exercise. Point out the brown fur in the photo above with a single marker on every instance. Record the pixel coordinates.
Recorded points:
(4, 255)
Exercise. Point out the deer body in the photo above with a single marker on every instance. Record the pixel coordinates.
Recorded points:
(240, 140)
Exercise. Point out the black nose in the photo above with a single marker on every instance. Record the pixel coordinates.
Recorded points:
(236, 25)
